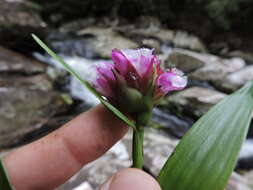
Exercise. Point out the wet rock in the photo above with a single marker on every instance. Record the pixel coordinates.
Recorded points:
(216, 69)
(83, 186)
(73, 45)
(78, 25)
(238, 182)
(172, 124)
(11, 62)
(249, 176)
(27, 99)
(148, 22)
(91, 42)
(18, 20)
(245, 160)
(247, 56)
(105, 39)
(187, 61)
(225, 74)
(23, 111)
(194, 101)
(180, 39)
(237, 79)
(158, 148)
(18, 13)
(83, 67)
(188, 41)
(36, 82)
(151, 43)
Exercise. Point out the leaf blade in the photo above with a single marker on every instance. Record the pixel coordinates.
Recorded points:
(206, 156)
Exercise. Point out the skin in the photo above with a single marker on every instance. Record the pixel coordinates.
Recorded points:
(53, 159)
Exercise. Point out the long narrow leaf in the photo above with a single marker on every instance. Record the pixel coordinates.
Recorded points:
(85, 83)
(206, 156)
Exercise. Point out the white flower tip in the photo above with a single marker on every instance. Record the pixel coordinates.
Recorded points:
(179, 81)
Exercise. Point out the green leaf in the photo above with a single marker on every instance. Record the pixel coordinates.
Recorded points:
(85, 83)
(4, 179)
(206, 156)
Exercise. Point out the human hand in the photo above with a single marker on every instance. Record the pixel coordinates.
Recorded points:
(53, 159)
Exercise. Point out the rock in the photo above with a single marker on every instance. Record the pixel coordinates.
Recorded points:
(225, 74)
(83, 67)
(151, 43)
(247, 56)
(77, 25)
(185, 60)
(157, 149)
(91, 42)
(174, 125)
(249, 176)
(11, 62)
(27, 99)
(180, 39)
(84, 186)
(18, 20)
(145, 21)
(238, 182)
(237, 79)
(37, 82)
(216, 69)
(188, 41)
(245, 160)
(23, 111)
(18, 13)
(105, 39)
(194, 101)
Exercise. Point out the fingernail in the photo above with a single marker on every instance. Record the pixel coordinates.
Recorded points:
(131, 179)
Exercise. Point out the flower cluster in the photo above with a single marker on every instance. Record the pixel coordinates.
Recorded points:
(135, 78)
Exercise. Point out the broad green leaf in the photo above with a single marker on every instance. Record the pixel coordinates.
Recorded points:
(85, 83)
(4, 179)
(206, 156)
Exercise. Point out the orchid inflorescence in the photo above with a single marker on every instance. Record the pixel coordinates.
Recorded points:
(135, 81)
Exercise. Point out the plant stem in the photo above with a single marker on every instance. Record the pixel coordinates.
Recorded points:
(137, 147)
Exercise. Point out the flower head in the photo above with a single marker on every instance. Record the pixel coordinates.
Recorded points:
(134, 76)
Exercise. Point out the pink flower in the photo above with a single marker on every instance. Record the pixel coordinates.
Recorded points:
(137, 71)
(168, 81)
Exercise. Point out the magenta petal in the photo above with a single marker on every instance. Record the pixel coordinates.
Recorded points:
(159, 70)
(120, 61)
(108, 74)
(104, 70)
(146, 65)
(170, 81)
(104, 88)
(135, 57)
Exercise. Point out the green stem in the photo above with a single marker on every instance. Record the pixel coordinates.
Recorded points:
(138, 137)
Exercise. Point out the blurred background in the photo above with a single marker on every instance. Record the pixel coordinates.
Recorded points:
(211, 41)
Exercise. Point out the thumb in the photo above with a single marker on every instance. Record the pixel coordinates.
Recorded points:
(133, 179)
